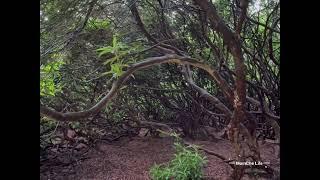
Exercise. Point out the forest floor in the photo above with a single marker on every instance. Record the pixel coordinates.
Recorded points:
(131, 158)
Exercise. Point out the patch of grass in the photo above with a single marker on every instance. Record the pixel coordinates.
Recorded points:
(187, 164)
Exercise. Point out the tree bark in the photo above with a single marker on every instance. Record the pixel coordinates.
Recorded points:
(169, 58)
(233, 42)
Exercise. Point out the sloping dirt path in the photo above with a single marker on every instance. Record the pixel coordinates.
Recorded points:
(132, 159)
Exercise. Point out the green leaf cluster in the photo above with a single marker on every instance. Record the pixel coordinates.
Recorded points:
(50, 77)
(118, 52)
(94, 24)
(187, 164)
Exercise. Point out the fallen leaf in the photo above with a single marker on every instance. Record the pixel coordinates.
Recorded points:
(80, 146)
(71, 134)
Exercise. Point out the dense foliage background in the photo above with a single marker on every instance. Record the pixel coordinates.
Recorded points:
(85, 46)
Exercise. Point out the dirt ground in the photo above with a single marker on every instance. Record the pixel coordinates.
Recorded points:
(131, 158)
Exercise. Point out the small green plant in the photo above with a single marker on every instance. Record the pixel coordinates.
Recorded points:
(50, 76)
(119, 51)
(187, 164)
(95, 23)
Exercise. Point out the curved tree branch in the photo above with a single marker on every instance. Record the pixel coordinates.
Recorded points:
(234, 45)
(203, 93)
(162, 46)
(169, 58)
(243, 14)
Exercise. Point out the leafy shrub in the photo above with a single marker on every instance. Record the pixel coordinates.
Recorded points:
(186, 165)
(94, 23)
(50, 77)
(119, 51)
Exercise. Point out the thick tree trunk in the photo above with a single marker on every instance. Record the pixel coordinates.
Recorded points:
(233, 42)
